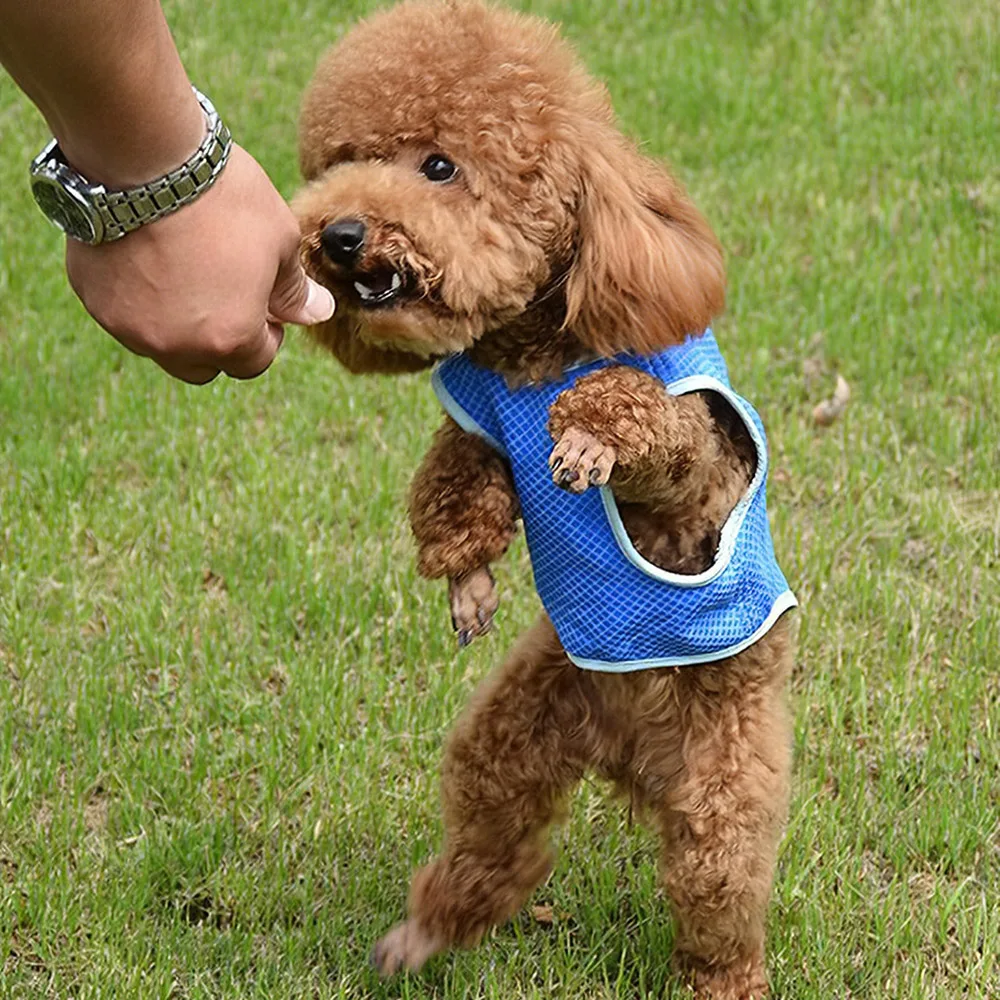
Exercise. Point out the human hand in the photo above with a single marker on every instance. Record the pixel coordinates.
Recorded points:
(207, 288)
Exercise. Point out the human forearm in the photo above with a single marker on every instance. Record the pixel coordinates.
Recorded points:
(107, 77)
(206, 288)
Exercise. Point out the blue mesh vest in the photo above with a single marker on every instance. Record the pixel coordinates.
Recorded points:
(612, 609)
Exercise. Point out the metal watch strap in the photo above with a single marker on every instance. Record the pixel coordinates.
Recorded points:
(122, 212)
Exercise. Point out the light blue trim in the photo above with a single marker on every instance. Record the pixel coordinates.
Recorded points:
(783, 602)
(730, 530)
(459, 415)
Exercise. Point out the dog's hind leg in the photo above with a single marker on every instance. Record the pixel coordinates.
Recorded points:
(517, 751)
(720, 813)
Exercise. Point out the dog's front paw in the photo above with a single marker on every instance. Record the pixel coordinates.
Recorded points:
(474, 602)
(406, 946)
(580, 460)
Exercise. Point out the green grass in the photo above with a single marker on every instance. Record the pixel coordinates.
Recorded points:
(223, 690)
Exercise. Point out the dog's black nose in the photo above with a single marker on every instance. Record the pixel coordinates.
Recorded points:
(343, 240)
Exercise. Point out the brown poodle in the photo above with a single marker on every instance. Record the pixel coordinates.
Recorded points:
(470, 198)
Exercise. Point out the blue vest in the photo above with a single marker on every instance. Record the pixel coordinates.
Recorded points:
(612, 609)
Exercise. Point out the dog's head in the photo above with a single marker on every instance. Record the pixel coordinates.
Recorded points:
(460, 165)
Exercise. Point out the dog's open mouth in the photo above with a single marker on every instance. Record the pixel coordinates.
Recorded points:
(380, 287)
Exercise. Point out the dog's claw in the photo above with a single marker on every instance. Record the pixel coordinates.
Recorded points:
(580, 460)
(473, 603)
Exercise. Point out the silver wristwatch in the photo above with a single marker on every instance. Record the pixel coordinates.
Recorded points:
(92, 214)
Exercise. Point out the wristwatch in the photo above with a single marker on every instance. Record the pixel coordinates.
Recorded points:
(92, 214)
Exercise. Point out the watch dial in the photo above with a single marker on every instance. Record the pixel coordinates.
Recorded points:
(63, 210)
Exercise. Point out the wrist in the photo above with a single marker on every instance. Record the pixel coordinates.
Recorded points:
(94, 214)
(108, 79)
(125, 113)
(135, 145)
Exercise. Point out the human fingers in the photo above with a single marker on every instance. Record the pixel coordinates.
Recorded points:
(185, 371)
(296, 298)
(255, 354)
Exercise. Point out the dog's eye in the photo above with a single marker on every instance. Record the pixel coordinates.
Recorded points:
(438, 168)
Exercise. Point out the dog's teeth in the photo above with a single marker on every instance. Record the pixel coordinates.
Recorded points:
(369, 294)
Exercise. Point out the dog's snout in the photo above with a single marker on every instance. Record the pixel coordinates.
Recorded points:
(343, 240)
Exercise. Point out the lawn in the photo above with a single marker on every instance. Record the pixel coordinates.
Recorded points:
(223, 689)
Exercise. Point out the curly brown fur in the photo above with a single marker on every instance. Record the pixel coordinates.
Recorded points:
(703, 752)
(681, 462)
(550, 200)
(463, 508)
(555, 241)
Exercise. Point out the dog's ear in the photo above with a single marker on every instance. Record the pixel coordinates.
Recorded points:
(360, 357)
(647, 269)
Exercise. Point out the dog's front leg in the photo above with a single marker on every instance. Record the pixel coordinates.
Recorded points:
(620, 426)
(463, 511)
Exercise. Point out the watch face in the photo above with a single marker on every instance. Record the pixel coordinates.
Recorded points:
(66, 211)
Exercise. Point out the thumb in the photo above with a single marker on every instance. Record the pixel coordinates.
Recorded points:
(296, 298)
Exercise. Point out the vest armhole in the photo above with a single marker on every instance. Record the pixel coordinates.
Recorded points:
(457, 413)
(731, 528)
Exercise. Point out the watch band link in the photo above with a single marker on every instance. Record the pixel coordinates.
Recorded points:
(122, 212)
